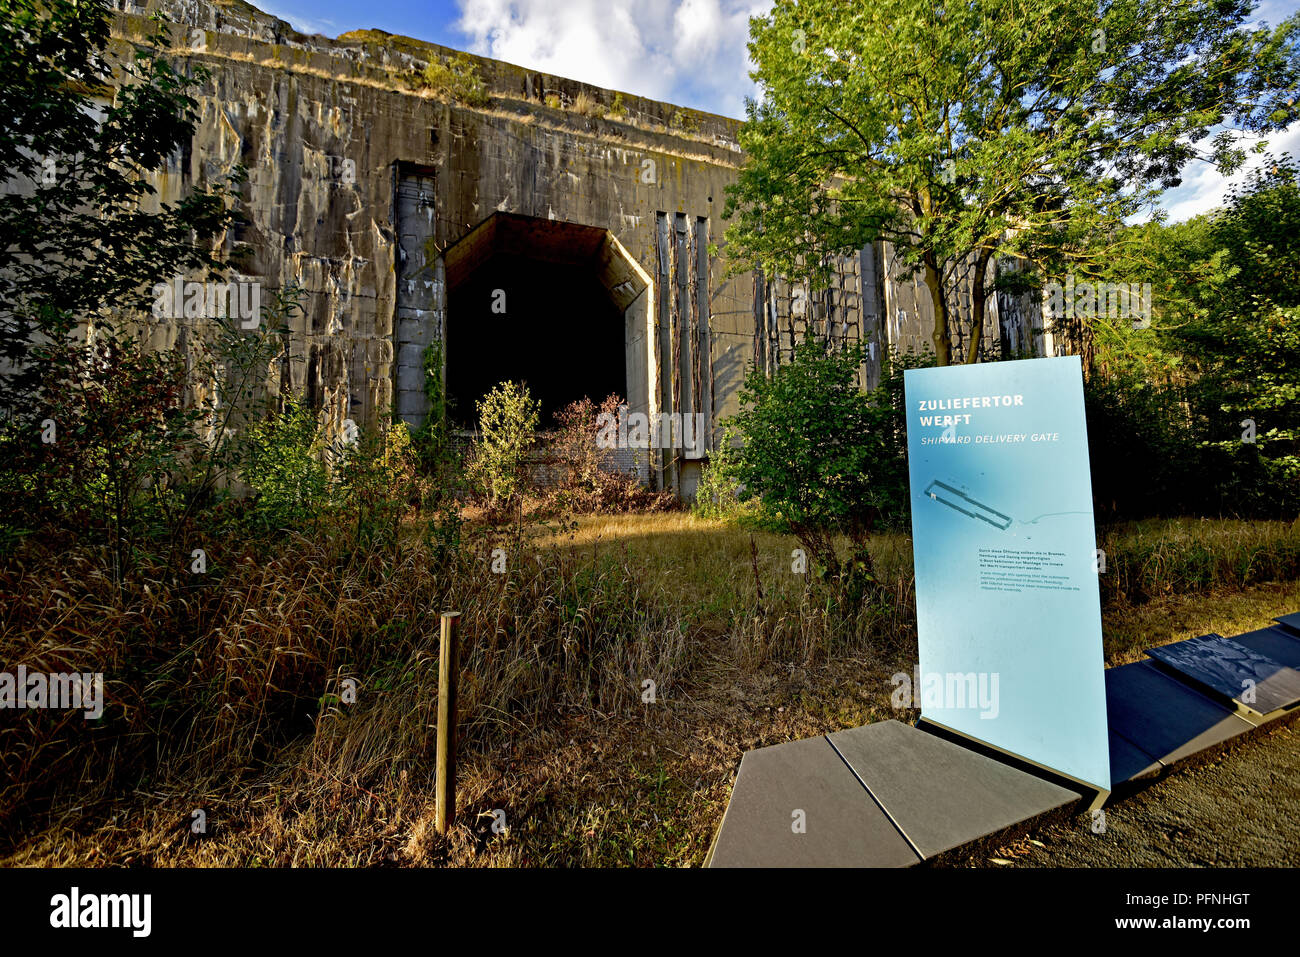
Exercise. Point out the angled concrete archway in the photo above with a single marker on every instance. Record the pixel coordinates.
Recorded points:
(583, 349)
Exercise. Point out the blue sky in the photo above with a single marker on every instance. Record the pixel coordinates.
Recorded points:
(689, 52)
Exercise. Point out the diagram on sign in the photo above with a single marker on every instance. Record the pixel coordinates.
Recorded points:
(959, 501)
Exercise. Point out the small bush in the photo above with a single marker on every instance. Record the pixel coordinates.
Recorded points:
(718, 495)
(458, 78)
(284, 467)
(683, 122)
(573, 445)
(821, 457)
(589, 479)
(378, 483)
(508, 420)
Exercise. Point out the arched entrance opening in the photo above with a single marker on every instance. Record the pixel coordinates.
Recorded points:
(560, 306)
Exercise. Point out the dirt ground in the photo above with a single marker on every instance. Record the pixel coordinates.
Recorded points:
(1241, 809)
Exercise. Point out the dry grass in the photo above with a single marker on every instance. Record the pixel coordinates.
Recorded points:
(221, 698)
(204, 683)
(1170, 557)
(587, 105)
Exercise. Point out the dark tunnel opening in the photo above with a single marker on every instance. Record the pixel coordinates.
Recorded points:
(559, 333)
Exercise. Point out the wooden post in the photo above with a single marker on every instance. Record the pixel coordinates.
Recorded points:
(445, 783)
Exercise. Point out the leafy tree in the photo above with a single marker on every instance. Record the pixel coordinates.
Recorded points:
(138, 441)
(964, 131)
(1241, 330)
(821, 456)
(1203, 406)
(81, 134)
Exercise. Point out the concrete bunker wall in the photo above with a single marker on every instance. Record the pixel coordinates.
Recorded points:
(360, 184)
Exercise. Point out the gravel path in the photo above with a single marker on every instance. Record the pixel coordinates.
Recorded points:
(1240, 810)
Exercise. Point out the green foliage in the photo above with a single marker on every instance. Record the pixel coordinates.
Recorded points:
(75, 244)
(1171, 410)
(97, 466)
(1243, 333)
(229, 369)
(284, 467)
(376, 483)
(439, 462)
(429, 439)
(1153, 559)
(683, 122)
(458, 78)
(719, 493)
(1144, 460)
(960, 132)
(508, 421)
(139, 441)
(821, 455)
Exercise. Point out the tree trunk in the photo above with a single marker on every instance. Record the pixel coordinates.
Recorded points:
(942, 337)
(977, 305)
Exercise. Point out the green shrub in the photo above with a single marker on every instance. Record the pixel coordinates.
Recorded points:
(822, 457)
(284, 467)
(458, 78)
(377, 483)
(719, 492)
(508, 420)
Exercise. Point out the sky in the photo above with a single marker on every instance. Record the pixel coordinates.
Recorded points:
(687, 52)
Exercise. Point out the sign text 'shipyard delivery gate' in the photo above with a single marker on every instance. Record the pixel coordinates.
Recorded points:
(1008, 611)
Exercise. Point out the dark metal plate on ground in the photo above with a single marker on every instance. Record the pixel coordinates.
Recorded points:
(1275, 643)
(1254, 681)
(1163, 717)
(1290, 622)
(1128, 762)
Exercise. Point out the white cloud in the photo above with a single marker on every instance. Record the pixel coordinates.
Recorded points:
(326, 28)
(690, 52)
(1203, 187)
(1274, 12)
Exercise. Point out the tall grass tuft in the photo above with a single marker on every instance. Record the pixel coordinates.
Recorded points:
(1154, 558)
(205, 682)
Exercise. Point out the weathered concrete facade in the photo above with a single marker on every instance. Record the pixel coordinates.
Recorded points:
(378, 196)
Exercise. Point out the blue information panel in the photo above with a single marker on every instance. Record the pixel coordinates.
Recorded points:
(1008, 610)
